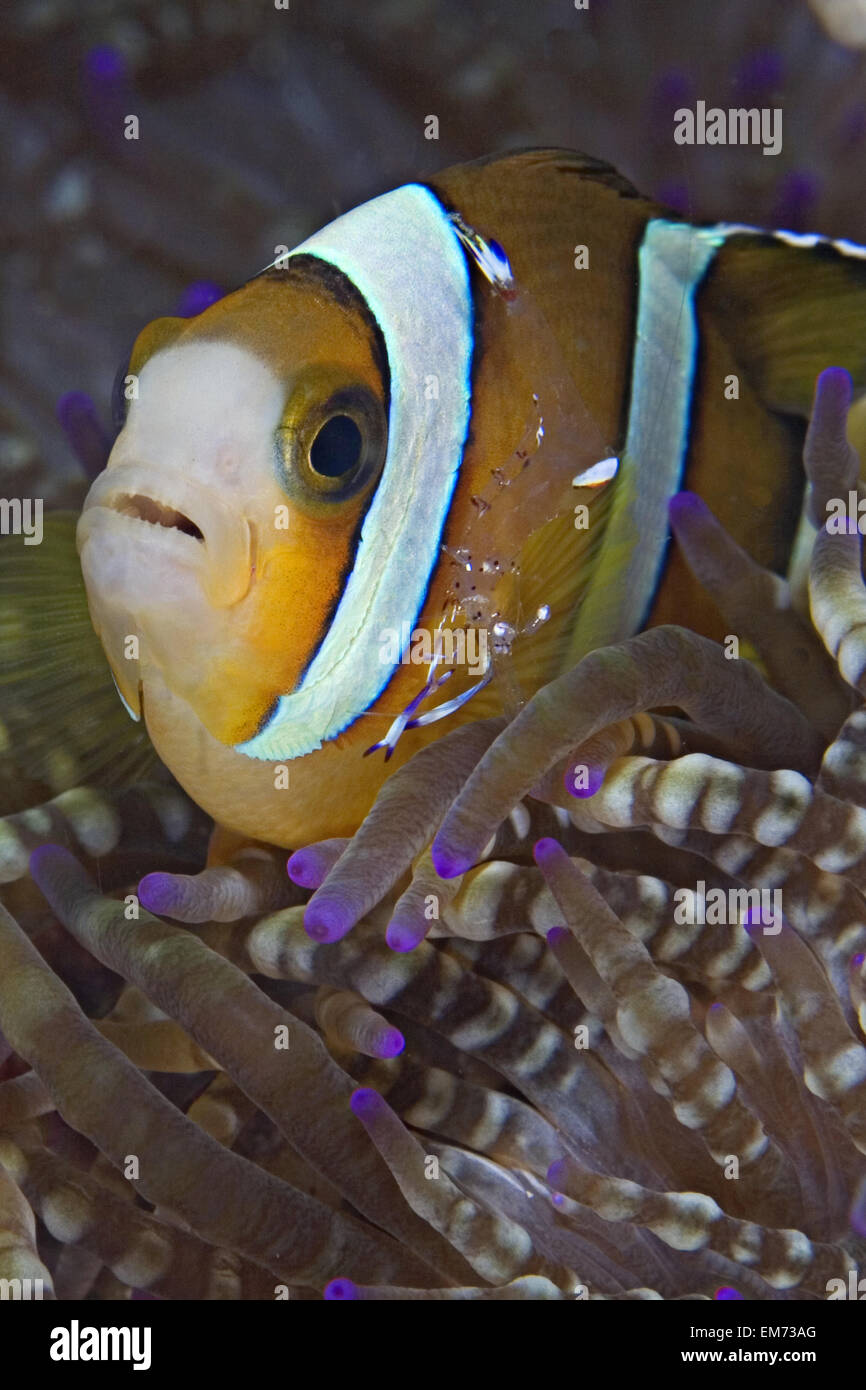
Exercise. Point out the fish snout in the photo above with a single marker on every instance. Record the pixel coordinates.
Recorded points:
(172, 522)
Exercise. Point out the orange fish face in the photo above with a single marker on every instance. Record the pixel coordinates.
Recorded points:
(220, 533)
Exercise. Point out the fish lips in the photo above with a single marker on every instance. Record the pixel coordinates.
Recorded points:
(137, 523)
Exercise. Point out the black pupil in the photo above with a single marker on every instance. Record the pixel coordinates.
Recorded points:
(337, 447)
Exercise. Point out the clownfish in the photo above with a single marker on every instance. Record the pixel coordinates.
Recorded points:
(450, 422)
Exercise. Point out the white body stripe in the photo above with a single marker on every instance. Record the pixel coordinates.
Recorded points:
(673, 259)
(402, 254)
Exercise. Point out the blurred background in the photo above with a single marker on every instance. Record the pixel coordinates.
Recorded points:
(258, 124)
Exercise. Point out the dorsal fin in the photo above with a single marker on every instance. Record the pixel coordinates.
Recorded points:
(789, 310)
(558, 160)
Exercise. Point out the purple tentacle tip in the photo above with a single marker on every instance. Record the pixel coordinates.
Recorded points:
(752, 920)
(556, 1171)
(39, 855)
(392, 1044)
(365, 1101)
(759, 71)
(859, 959)
(73, 405)
(583, 781)
(324, 922)
(545, 850)
(104, 63)
(685, 505)
(406, 935)
(556, 934)
(726, 1292)
(340, 1291)
(836, 380)
(446, 863)
(157, 893)
(197, 297)
(557, 1199)
(304, 869)
(797, 191)
(83, 428)
(674, 195)
(671, 88)
(757, 921)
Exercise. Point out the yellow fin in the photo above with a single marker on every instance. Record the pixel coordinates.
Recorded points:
(788, 312)
(555, 565)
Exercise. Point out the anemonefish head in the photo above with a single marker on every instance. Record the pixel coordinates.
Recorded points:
(276, 497)
(221, 532)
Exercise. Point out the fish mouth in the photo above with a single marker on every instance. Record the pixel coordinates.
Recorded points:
(178, 523)
(155, 513)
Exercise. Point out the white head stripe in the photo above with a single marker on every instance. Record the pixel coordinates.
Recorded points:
(402, 254)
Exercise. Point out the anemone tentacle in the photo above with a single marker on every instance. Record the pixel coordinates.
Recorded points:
(549, 1096)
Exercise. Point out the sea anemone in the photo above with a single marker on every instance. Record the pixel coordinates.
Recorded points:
(572, 1088)
(566, 1091)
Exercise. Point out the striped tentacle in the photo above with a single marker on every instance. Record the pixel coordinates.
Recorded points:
(693, 1221)
(141, 1251)
(127, 1115)
(95, 821)
(19, 1256)
(278, 1079)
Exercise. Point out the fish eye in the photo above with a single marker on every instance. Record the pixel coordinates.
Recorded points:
(337, 447)
(331, 443)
